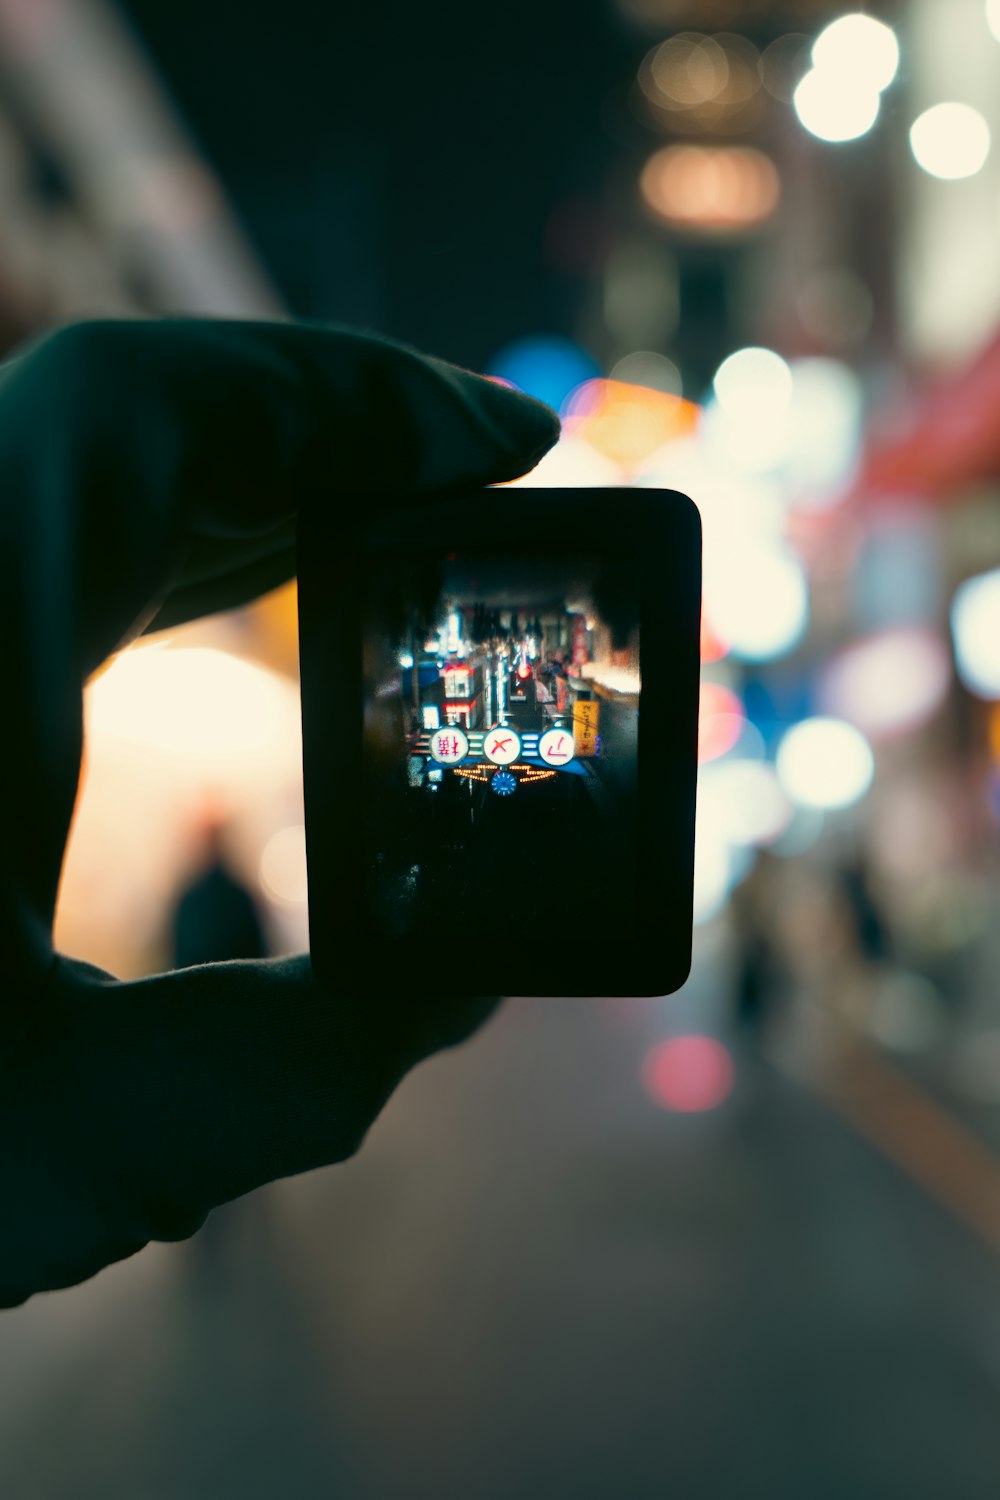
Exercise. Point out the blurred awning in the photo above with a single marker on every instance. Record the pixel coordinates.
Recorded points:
(941, 440)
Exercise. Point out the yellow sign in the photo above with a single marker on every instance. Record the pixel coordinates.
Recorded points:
(585, 726)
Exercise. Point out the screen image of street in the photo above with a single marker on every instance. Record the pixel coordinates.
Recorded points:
(501, 723)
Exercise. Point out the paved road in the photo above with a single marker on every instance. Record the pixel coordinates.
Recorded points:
(534, 1283)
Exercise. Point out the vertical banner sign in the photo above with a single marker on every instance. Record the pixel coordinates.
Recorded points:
(580, 652)
(585, 714)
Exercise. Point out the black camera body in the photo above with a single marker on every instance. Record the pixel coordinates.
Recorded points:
(500, 702)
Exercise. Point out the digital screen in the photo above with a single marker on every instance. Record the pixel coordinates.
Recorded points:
(501, 714)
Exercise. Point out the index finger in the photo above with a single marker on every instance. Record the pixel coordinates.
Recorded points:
(208, 434)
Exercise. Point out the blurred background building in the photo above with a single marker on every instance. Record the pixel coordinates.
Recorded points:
(742, 1241)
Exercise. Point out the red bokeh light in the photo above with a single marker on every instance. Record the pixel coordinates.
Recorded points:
(688, 1074)
(713, 647)
(720, 720)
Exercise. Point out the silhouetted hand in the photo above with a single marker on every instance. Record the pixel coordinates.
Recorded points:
(154, 470)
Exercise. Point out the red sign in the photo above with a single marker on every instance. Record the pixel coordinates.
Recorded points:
(581, 652)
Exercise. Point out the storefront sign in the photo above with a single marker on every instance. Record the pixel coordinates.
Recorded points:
(585, 715)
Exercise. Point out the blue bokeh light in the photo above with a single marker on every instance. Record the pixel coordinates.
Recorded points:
(546, 366)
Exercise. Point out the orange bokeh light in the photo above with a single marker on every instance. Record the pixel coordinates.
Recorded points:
(627, 423)
(994, 733)
(713, 189)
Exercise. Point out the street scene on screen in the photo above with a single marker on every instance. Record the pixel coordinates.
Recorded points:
(506, 714)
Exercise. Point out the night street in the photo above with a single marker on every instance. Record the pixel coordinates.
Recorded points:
(491, 496)
(532, 1281)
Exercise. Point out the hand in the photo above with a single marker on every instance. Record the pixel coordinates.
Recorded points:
(149, 473)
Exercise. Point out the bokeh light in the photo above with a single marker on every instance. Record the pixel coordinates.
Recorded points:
(825, 763)
(711, 189)
(753, 384)
(572, 463)
(782, 64)
(713, 647)
(950, 141)
(824, 426)
(796, 426)
(720, 720)
(193, 702)
(833, 108)
(714, 870)
(743, 452)
(757, 597)
(627, 423)
(859, 48)
(975, 630)
(687, 69)
(644, 367)
(890, 683)
(688, 1074)
(993, 17)
(897, 577)
(748, 802)
(703, 83)
(546, 366)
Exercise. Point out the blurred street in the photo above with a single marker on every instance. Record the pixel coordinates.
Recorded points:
(534, 1282)
(738, 1243)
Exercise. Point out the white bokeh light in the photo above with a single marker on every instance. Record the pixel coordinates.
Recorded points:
(571, 464)
(975, 629)
(993, 17)
(753, 384)
(834, 108)
(749, 806)
(757, 598)
(194, 702)
(713, 867)
(950, 141)
(825, 763)
(824, 429)
(859, 48)
(748, 448)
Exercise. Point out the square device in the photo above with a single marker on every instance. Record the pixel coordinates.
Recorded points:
(500, 703)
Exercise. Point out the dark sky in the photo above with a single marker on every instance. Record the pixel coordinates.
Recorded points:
(395, 165)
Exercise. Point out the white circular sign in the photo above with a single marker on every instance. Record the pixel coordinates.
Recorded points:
(501, 745)
(449, 746)
(556, 747)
